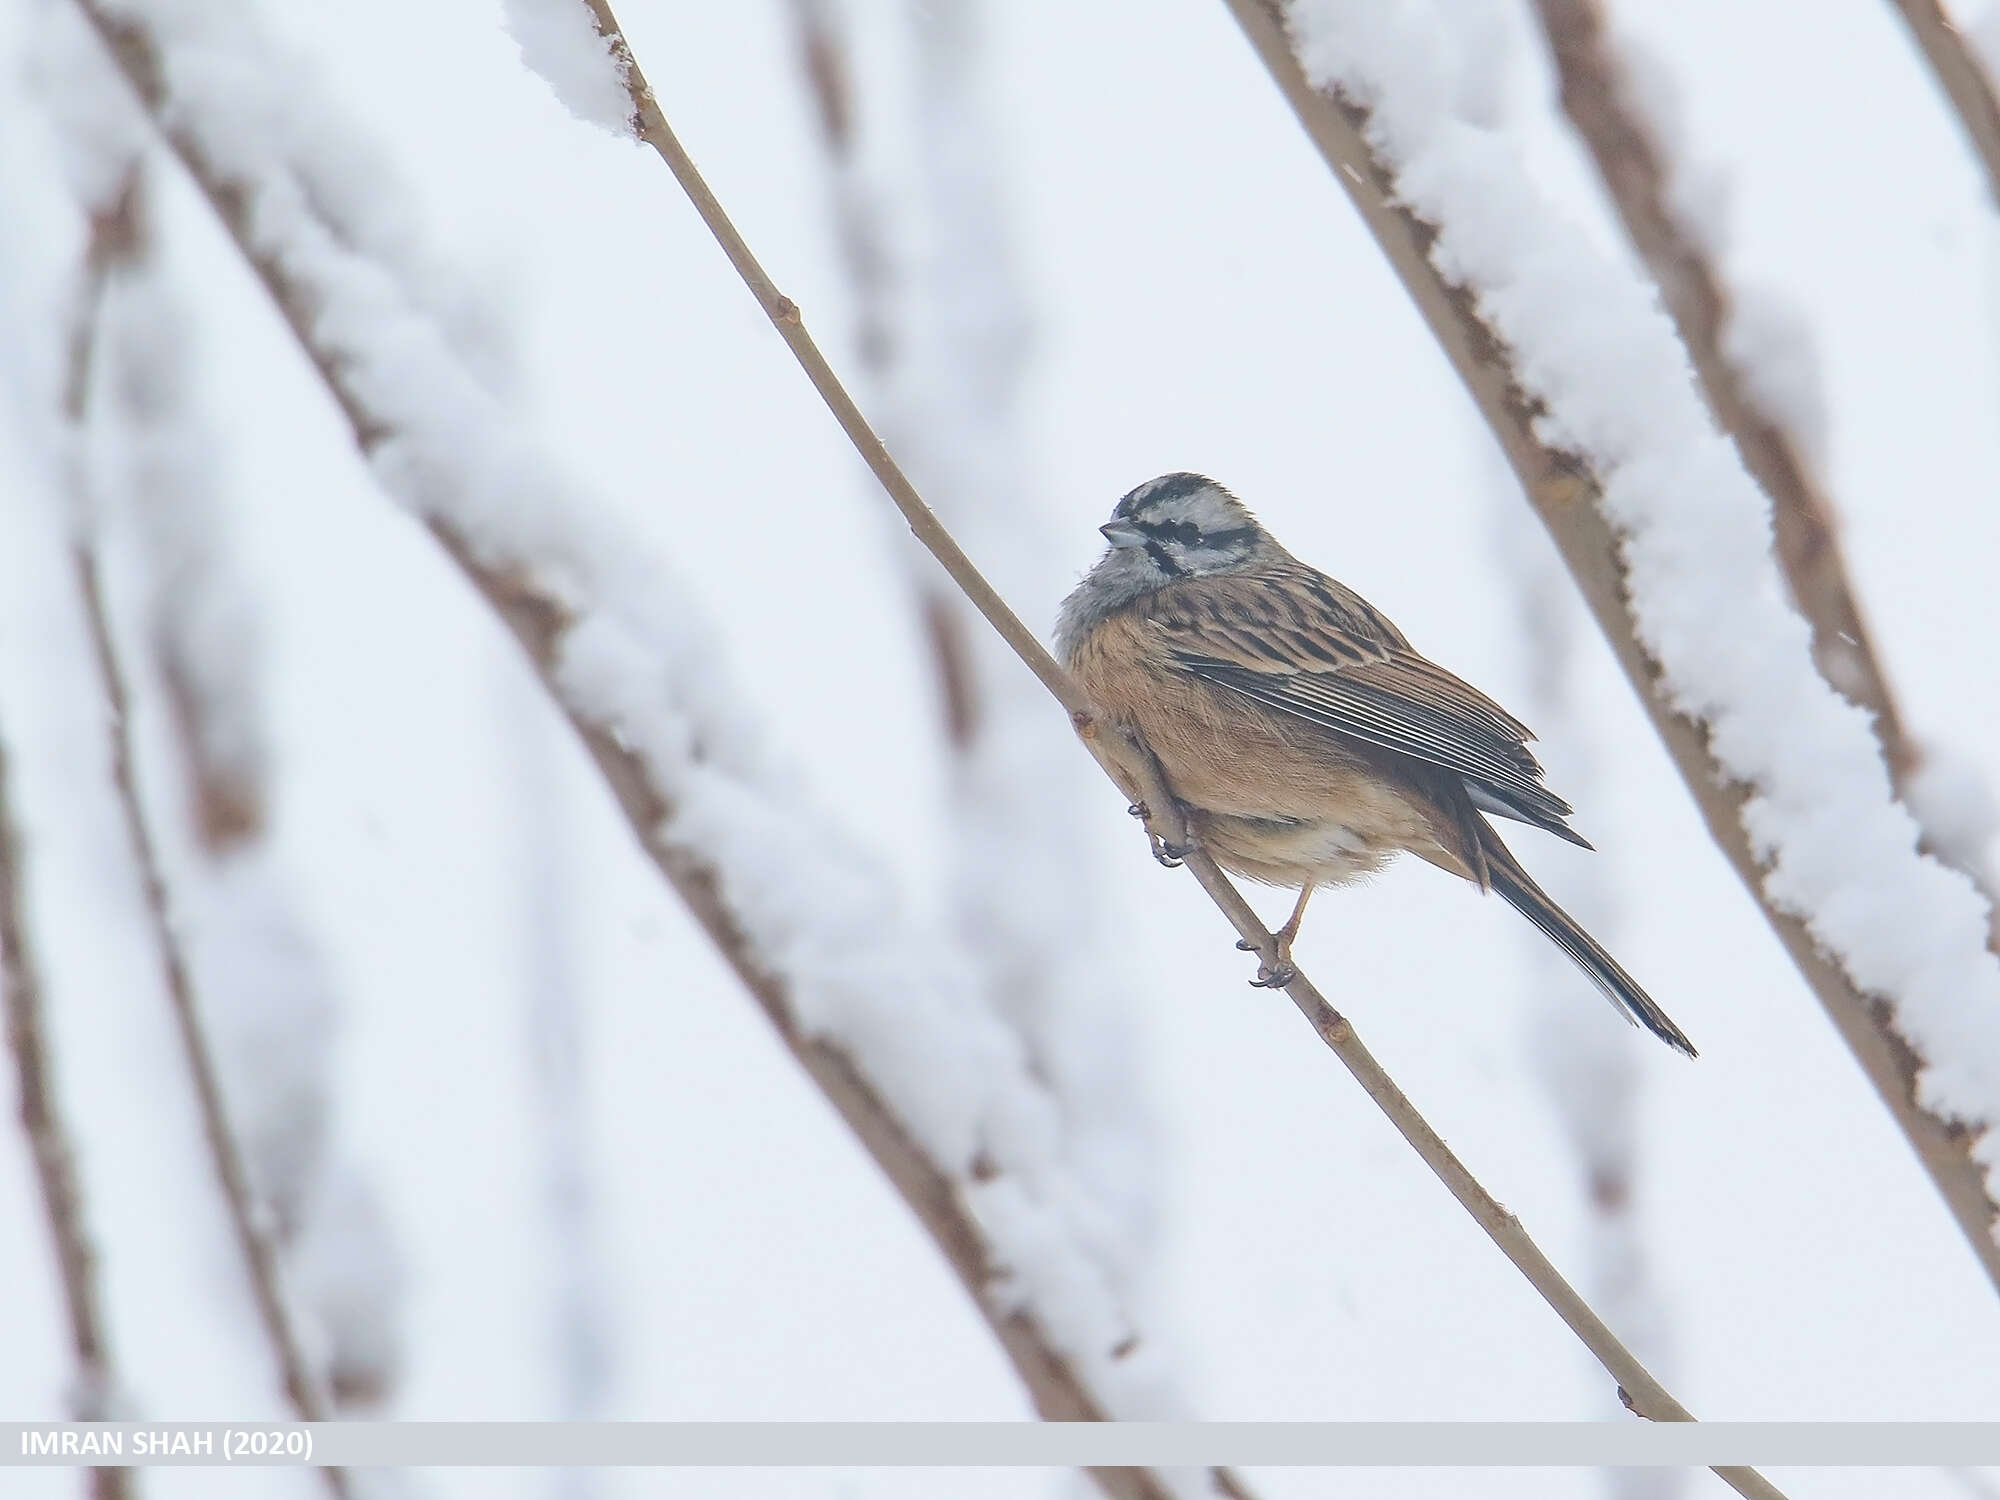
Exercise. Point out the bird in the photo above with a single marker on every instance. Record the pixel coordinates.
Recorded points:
(1306, 740)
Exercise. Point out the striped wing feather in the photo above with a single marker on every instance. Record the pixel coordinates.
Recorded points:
(1303, 645)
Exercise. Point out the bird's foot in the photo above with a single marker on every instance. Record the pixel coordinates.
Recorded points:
(1273, 976)
(1165, 851)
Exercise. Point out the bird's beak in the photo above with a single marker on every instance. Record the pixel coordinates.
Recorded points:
(1122, 534)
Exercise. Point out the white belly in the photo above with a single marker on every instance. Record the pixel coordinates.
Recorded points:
(1326, 852)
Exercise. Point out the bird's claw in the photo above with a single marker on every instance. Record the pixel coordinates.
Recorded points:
(1244, 945)
(1269, 978)
(1165, 851)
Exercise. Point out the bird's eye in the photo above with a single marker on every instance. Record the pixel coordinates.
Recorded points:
(1186, 533)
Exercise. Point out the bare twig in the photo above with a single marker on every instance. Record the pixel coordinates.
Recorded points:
(112, 236)
(54, 1156)
(1133, 767)
(1566, 494)
(1964, 79)
(1637, 173)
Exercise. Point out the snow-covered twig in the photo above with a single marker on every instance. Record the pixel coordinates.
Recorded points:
(49, 1144)
(1586, 389)
(1635, 160)
(112, 232)
(941, 346)
(1133, 767)
(1964, 79)
(880, 1014)
(265, 996)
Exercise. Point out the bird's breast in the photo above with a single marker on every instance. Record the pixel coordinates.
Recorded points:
(1274, 798)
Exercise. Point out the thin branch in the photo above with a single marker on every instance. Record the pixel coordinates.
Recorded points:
(112, 236)
(267, 999)
(547, 620)
(1567, 495)
(260, 1259)
(1131, 764)
(1638, 174)
(1964, 79)
(652, 128)
(825, 59)
(54, 1155)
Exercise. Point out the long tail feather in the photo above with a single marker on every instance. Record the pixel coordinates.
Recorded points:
(1532, 902)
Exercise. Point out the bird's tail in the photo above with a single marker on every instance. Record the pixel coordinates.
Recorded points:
(1532, 902)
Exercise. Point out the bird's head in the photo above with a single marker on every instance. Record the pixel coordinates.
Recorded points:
(1182, 526)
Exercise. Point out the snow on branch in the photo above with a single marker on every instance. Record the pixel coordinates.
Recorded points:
(266, 999)
(1131, 765)
(251, 998)
(1963, 76)
(558, 41)
(881, 1014)
(1582, 381)
(113, 221)
(54, 1152)
(1751, 369)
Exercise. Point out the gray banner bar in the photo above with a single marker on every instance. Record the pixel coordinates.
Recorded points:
(985, 1444)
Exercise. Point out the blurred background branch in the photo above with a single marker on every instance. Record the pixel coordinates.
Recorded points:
(94, 1382)
(118, 238)
(266, 1002)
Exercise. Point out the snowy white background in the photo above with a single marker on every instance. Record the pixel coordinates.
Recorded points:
(1202, 297)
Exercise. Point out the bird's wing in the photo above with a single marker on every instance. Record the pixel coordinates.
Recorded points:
(1303, 645)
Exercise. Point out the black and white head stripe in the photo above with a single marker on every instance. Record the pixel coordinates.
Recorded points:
(1167, 487)
(1183, 511)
